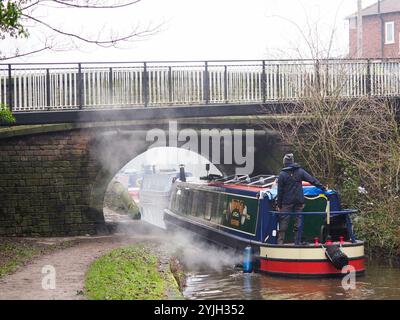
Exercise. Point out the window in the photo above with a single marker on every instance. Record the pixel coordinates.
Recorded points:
(220, 205)
(176, 198)
(389, 32)
(187, 197)
(194, 203)
(209, 202)
(201, 204)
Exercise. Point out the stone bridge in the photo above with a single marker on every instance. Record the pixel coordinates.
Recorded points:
(54, 176)
(78, 124)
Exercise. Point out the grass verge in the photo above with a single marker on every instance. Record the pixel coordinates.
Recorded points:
(136, 272)
(16, 252)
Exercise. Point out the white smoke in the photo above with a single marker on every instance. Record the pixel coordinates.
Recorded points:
(113, 150)
(197, 254)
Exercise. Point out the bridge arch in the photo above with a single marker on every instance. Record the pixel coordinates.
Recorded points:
(115, 156)
(157, 160)
(54, 177)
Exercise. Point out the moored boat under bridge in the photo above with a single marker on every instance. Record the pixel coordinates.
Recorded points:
(26, 87)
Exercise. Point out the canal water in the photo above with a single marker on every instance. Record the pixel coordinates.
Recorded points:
(381, 281)
(211, 274)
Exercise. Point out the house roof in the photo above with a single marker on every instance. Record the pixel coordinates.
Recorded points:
(387, 6)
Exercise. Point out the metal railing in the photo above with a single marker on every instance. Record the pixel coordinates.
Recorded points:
(346, 213)
(39, 87)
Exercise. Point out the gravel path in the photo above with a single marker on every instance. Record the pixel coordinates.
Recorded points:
(70, 265)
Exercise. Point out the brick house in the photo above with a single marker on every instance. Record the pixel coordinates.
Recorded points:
(380, 31)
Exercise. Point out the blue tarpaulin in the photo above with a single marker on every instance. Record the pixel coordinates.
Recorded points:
(314, 191)
(309, 191)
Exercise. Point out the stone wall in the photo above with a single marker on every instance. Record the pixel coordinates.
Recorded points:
(45, 184)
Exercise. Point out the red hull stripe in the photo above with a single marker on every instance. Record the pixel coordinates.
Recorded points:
(306, 267)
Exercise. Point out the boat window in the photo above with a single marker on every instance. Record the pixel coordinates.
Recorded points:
(183, 204)
(193, 212)
(214, 206)
(189, 204)
(201, 204)
(209, 205)
(219, 211)
(176, 199)
(180, 200)
(222, 209)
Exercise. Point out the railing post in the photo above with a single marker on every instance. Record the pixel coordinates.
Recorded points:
(278, 82)
(145, 88)
(317, 76)
(369, 78)
(10, 95)
(263, 83)
(274, 224)
(326, 82)
(48, 92)
(226, 83)
(80, 87)
(170, 85)
(300, 230)
(206, 84)
(110, 86)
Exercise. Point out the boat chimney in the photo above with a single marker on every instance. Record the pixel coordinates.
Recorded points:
(182, 175)
(207, 169)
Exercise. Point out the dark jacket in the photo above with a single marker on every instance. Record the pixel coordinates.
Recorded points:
(290, 189)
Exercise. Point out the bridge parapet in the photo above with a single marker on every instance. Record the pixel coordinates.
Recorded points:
(74, 86)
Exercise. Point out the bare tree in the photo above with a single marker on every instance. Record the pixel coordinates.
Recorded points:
(327, 126)
(22, 16)
(346, 136)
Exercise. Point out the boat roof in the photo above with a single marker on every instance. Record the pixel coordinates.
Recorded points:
(259, 181)
(252, 186)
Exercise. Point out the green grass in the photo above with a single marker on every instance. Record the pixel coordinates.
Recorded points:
(15, 252)
(131, 273)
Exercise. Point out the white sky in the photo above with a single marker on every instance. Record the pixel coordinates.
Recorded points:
(170, 158)
(202, 29)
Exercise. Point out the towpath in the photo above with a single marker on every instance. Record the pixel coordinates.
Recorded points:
(70, 264)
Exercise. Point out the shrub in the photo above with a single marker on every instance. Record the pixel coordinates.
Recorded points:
(6, 115)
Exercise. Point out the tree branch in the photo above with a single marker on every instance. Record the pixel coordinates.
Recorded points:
(31, 5)
(102, 43)
(18, 55)
(88, 6)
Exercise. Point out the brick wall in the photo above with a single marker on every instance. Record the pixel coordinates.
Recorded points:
(353, 43)
(45, 185)
(372, 37)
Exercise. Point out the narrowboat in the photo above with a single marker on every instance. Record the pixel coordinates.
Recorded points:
(154, 194)
(240, 212)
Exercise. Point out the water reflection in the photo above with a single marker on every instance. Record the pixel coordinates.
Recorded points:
(380, 282)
